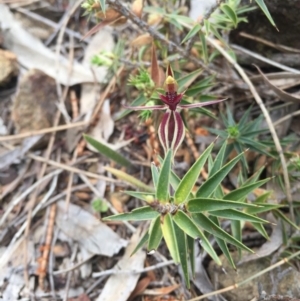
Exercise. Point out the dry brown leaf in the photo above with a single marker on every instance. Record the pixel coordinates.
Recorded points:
(110, 15)
(141, 40)
(155, 72)
(154, 19)
(140, 287)
(87, 230)
(268, 247)
(137, 7)
(162, 291)
(119, 286)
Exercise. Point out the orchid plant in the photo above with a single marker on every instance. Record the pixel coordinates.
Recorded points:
(171, 130)
(179, 210)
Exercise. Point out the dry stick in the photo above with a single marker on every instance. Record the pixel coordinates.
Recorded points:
(15, 241)
(47, 22)
(267, 117)
(236, 285)
(287, 117)
(268, 43)
(43, 131)
(33, 198)
(207, 15)
(42, 271)
(263, 59)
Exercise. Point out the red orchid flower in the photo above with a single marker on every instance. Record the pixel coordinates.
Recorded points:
(171, 130)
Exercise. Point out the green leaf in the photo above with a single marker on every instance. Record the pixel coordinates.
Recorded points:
(243, 191)
(106, 151)
(183, 253)
(139, 214)
(185, 81)
(212, 228)
(102, 4)
(237, 215)
(236, 230)
(217, 164)
(169, 234)
(155, 234)
(230, 13)
(264, 8)
(129, 179)
(222, 244)
(262, 207)
(261, 229)
(145, 196)
(279, 214)
(99, 205)
(204, 46)
(162, 191)
(191, 251)
(155, 174)
(190, 228)
(212, 182)
(187, 183)
(141, 243)
(191, 33)
(210, 204)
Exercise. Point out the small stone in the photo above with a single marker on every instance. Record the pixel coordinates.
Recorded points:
(8, 66)
(34, 106)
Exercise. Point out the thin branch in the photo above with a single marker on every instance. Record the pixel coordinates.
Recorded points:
(267, 117)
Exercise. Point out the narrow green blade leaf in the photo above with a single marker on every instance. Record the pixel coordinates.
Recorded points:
(212, 228)
(279, 214)
(191, 33)
(236, 229)
(212, 182)
(185, 81)
(218, 163)
(190, 228)
(242, 192)
(155, 234)
(191, 251)
(264, 8)
(155, 174)
(169, 235)
(210, 204)
(222, 244)
(145, 196)
(162, 191)
(102, 4)
(139, 214)
(261, 229)
(230, 13)
(263, 207)
(237, 215)
(106, 151)
(141, 243)
(187, 183)
(204, 47)
(183, 253)
(129, 179)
